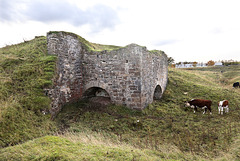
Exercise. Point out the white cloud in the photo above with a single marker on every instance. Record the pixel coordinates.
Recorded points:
(98, 16)
(186, 30)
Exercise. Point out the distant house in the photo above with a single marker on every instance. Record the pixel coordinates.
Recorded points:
(190, 65)
(201, 65)
(218, 64)
(184, 65)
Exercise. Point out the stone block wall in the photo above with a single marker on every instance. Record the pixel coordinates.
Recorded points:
(129, 74)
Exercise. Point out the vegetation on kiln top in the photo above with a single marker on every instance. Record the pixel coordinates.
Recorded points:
(100, 47)
(157, 52)
(88, 45)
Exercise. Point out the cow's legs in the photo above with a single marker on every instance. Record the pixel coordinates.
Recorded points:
(221, 108)
(209, 108)
(205, 109)
(195, 109)
(226, 109)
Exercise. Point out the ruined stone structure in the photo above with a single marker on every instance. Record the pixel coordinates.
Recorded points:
(131, 75)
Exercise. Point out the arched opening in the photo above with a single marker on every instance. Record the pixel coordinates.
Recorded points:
(157, 93)
(97, 95)
(95, 92)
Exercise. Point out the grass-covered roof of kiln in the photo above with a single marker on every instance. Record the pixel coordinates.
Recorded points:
(100, 47)
(89, 46)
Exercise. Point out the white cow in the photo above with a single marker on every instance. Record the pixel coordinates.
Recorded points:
(223, 105)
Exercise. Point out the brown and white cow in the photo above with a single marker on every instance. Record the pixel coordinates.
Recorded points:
(200, 103)
(223, 105)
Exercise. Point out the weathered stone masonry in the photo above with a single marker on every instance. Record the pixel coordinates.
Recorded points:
(132, 75)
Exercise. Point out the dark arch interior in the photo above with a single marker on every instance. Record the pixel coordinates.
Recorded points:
(157, 93)
(98, 97)
(95, 92)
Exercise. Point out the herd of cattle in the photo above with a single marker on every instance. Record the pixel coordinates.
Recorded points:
(206, 104)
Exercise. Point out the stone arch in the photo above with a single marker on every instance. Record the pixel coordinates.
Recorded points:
(94, 85)
(97, 96)
(157, 93)
(95, 92)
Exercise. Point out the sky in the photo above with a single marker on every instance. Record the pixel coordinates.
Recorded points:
(186, 30)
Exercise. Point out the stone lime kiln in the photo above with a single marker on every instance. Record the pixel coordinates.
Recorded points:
(130, 75)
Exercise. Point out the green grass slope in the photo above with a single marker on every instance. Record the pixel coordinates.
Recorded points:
(59, 148)
(225, 75)
(25, 70)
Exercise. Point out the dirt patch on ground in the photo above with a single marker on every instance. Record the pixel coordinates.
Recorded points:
(100, 101)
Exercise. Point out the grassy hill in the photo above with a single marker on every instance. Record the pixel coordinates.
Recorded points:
(25, 70)
(83, 131)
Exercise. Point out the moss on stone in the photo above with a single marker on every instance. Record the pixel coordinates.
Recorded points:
(157, 52)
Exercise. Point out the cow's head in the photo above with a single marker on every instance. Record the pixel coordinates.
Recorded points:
(187, 104)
